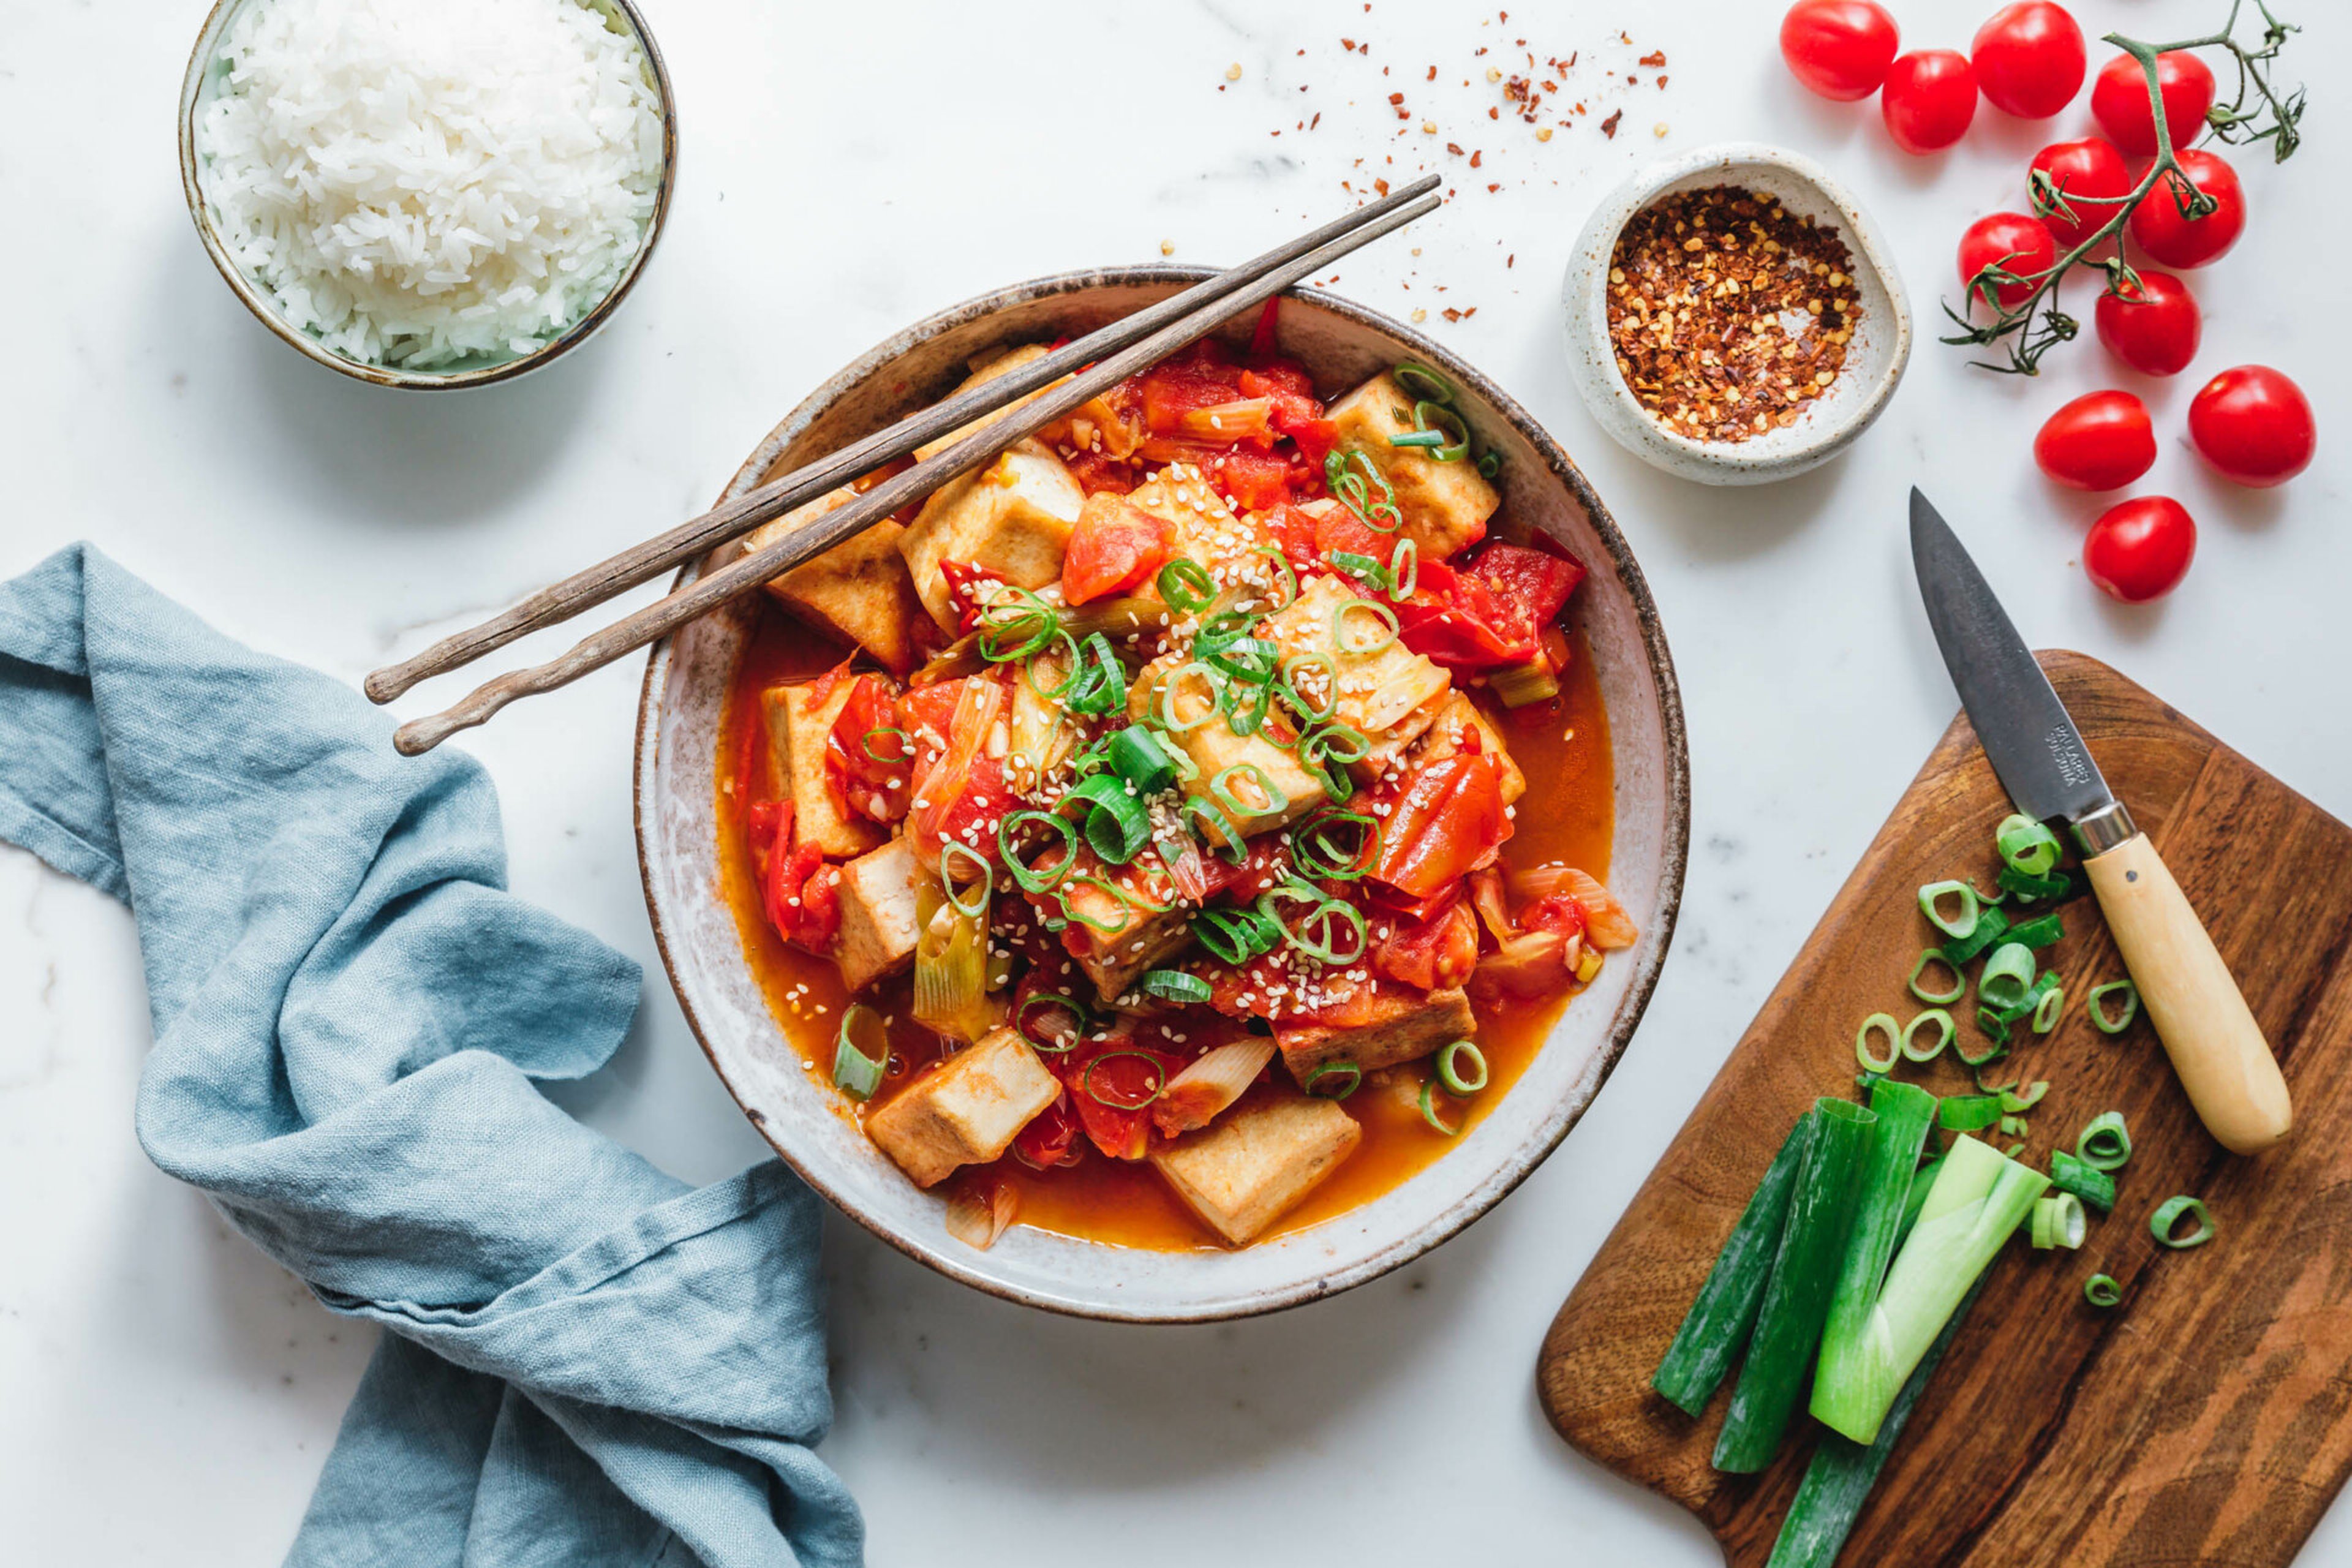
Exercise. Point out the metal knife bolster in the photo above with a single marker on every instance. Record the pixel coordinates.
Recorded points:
(2104, 828)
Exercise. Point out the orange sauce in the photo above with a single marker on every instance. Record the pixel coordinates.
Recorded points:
(1567, 814)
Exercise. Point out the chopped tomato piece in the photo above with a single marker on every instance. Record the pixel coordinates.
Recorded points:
(1051, 1138)
(1456, 620)
(1293, 531)
(1448, 823)
(1535, 579)
(1112, 1083)
(1114, 548)
(873, 786)
(798, 891)
(965, 591)
(1435, 954)
(1556, 912)
(1100, 473)
(1340, 529)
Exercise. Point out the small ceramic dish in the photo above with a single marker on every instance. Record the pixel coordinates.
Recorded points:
(201, 82)
(1875, 362)
(677, 816)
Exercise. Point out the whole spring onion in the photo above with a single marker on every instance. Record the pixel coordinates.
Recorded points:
(1904, 1114)
(1724, 1313)
(2165, 1223)
(1797, 1298)
(2058, 1222)
(861, 1048)
(1963, 919)
(2026, 845)
(2105, 1143)
(1978, 1198)
(1937, 998)
(1878, 1023)
(2105, 1022)
(2007, 976)
(2071, 1173)
(2101, 1291)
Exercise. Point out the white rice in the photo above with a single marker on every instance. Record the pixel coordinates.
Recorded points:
(421, 181)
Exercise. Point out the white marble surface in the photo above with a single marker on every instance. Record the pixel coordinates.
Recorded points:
(165, 1390)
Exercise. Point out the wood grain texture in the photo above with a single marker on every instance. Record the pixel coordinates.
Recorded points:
(2206, 1420)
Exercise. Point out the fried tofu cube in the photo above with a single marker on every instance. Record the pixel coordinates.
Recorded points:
(1122, 941)
(878, 922)
(1445, 505)
(1213, 748)
(1207, 529)
(1011, 517)
(983, 372)
(1457, 716)
(1254, 1165)
(798, 723)
(1396, 1028)
(966, 1111)
(859, 590)
(1390, 694)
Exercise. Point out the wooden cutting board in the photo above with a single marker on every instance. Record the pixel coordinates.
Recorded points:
(2207, 1420)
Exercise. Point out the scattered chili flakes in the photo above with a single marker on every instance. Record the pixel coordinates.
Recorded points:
(1609, 126)
(1703, 288)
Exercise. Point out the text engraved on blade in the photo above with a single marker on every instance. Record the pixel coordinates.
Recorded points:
(2066, 750)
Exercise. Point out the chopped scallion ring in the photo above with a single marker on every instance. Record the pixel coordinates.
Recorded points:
(953, 857)
(1080, 1019)
(1016, 624)
(2026, 845)
(1956, 926)
(1990, 926)
(2013, 1126)
(2164, 1224)
(1352, 477)
(2101, 1291)
(902, 752)
(1456, 1082)
(1136, 755)
(1490, 463)
(1422, 384)
(1175, 986)
(1364, 569)
(2046, 1011)
(1313, 933)
(1289, 578)
(1432, 418)
(1429, 1110)
(1187, 586)
(1158, 1075)
(1937, 998)
(1171, 691)
(1357, 638)
(1222, 835)
(1271, 796)
(2032, 890)
(1236, 936)
(2017, 1104)
(2105, 1143)
(1349, 1071)
(2107, 1023)
(1968, 1113)
(1991, 1053)
(2042, 931)
(1093, 922)
(1103, 688)
(2006, 977)
(1418, 439)
(1320, 858)
(1033, 879)
(861, 1048)
(1404, 569)
(1884, 1024)
(2088, 1183)
(2058, 1222)
(1065, 657)
(1117, 822)
(1299, 664)
(1945, 1030)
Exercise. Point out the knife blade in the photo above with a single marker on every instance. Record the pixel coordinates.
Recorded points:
(2037, 753)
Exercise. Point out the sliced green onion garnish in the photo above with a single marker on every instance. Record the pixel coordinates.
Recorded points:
(2012, 1127)
(861, 1047)
(1996, 1031)
(1321, 850)
(901, 750)
(1422, 384)
(1297, 699)
(1884, 1024)
(1431, 417)
(1223, 836)
(2018, 1104)
(2085, 1180)
(1429, 1110)
(1117, 825)
(2032, 890)
(2042, 931)
(1235, 936)
(2026, 845)
(1070, 911)
(1034, 880)
(2007, 976)
(1137, 757)
(2107, 1023)
(1968, 1113)
(1359, 638)
(1490, 463)
(1065, 657)
(1080, 1017)
(1175, 986)
(1187, 585)
(2101, 1291)
(1349, 1073)
(1404, 569)
(1418, 439)
(1362, 568)
(1290, 595)
(1271, 798)
(2163, 1224)
(1945, 1030)
(1937, 998)
(1312, 933)
(2050, 1002)
(1014, 625)
(2058, 1222)
(1252, 661)
(1958, 924)
(1171, 688)
(1455, 1080)
(1158, 1080)
(2105, 1143)
(1103, 688)
(1990, 923)
(954, 858)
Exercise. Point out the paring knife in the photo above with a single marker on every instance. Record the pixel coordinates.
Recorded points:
(2215, 1045)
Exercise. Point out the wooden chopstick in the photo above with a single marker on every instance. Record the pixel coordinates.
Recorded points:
(642, 563)
(752, 570)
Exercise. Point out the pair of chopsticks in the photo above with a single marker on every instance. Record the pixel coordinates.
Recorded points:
(1124, 348)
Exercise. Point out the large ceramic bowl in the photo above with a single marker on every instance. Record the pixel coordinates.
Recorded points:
(678, 735)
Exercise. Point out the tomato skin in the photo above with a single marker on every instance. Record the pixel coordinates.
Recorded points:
(1448, 822)
(2254, 426)
(2140, 549)
(2016, 242)
(2157, 227)
(1114, 548)
(2101, 441)
(1929, 98)
(2153, 329)
(1839, 48)
(2088, 168)
(2119, 100)
(2029, 59)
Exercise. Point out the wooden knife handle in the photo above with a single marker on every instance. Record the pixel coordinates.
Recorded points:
(2206, 1027)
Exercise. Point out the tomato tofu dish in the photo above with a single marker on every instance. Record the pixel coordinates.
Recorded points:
(1178, 829)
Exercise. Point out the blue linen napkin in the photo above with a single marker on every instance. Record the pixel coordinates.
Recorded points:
(589, 1362)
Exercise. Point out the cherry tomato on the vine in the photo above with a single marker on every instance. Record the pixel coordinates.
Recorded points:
(1839, 49)
(2254, 426)
(2140, 549)
(2159, 227)
(2077, 171)
(1930, 98)
(2119, 100)
(2101, 441)
(2029, 59)
(2017, 243)
(2153, 328)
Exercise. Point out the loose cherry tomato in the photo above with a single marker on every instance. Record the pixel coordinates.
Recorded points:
(2140, 549)
(1929, 98)
(2119, 100)
(2029, 59)
(2254, 426)
(2016, 243)
(2101, 441)
(1839, 49)
(2079, 172)
(2154, 328)
(2159, 227)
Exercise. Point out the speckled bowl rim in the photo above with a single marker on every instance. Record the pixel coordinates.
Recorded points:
(257, 300)
(1673, 851)
(1639, 189)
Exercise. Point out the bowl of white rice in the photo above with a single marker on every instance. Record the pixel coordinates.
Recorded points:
(428, 193)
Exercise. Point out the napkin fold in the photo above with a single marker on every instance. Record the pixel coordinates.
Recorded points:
(589, 1362)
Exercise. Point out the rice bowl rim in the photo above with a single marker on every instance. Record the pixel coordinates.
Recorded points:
(265, 310)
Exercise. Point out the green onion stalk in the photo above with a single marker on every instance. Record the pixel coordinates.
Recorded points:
(1980, 1195)
(1889, 1168)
